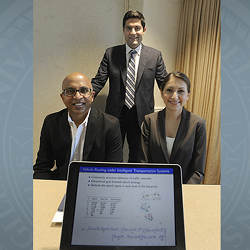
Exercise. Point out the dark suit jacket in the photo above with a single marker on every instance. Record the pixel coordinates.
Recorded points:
(114, 67)
(102, 143)
(189, 149)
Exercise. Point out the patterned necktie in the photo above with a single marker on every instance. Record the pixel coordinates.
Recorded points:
(130, 82)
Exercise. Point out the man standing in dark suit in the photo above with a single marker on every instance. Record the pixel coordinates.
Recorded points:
(131, 69)
(79, 132)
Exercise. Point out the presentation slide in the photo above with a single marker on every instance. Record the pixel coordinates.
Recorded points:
(124, 207)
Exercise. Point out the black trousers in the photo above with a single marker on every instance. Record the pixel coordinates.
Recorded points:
(130, 128)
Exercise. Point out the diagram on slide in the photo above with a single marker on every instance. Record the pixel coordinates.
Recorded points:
(147, 201)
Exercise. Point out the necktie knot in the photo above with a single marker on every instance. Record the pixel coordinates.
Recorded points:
(132, 53)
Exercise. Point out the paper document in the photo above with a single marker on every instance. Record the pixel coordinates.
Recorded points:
(58, 217)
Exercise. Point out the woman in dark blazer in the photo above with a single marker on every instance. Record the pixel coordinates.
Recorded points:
(175, 135)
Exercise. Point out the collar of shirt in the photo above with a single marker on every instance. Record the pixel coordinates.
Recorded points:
(137, 49)
(84, 123)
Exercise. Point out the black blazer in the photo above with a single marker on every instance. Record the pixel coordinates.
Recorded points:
(114, 67)
(102, 143)
(189, 149)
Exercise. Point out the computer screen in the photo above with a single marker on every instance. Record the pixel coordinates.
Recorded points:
(124, 206)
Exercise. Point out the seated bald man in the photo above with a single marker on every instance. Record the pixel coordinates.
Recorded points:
(79, 132)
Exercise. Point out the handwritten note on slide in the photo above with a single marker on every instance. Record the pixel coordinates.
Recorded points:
(124, 210)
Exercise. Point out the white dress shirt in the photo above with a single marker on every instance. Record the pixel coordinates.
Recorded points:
(170, 143)
(78, 138)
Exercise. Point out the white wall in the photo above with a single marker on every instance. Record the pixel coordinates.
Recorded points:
(73, 35)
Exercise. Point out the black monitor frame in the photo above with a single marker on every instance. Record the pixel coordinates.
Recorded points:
(69, 210)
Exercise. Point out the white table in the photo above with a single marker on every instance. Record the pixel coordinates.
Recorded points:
(201, 214)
